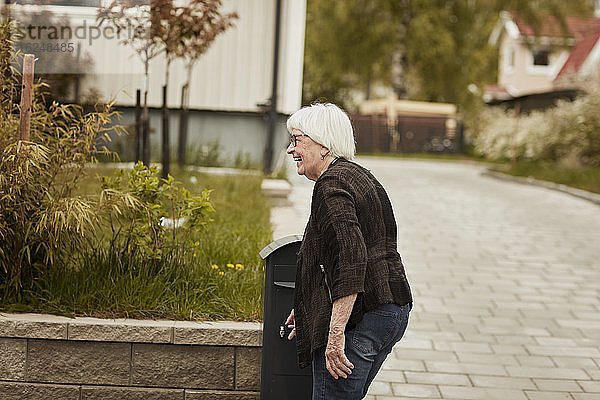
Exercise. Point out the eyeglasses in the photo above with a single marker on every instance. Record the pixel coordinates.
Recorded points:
(294, 138)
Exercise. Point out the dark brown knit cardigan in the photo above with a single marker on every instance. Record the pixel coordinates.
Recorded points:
(349, 246)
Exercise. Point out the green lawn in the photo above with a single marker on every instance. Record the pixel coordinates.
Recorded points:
(221, 278)
(586, 178)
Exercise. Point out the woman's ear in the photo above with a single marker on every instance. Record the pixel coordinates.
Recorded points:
(323, 155)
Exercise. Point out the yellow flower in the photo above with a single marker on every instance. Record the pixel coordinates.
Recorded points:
(214, 266)
(221, 273)
(230, 266)
(239, 267)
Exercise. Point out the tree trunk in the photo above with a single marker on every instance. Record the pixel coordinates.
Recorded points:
(166, 161)
(184, 118)
(166, 145)
(146, 134)
(183, 127)
(138, 126)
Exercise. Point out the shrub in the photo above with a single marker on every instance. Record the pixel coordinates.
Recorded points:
(41, 220)
(568, 131)
(152, 220)
(45, 223)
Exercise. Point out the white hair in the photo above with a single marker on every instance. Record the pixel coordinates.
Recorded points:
(328, 125)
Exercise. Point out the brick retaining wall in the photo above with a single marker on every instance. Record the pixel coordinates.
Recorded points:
(51, 357)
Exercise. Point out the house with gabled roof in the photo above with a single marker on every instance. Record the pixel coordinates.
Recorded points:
(550, 58)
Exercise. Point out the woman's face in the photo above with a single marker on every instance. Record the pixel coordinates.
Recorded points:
(307, 154)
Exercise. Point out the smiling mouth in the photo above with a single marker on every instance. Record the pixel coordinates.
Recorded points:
(297, 158)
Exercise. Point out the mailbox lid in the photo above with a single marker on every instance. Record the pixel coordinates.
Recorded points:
(276, 244)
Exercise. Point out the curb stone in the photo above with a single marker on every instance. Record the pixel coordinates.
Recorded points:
(582, 194)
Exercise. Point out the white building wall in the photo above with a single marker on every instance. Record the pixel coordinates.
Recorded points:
(234, 75)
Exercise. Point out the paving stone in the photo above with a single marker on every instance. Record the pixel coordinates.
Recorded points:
(594, 373)
(563, 351)
(476, 393)
(569, 332)
(514, 340)
(380, 388)
(25, 390)
(462, 324)
(478, 337)
(13, 359)
(551, 373)
(398, 398)
(113, 393)
(548, 395)
(463, 346)
(586, 396)
(590, 334)
(410, 390)
(398, 364)
(574, 362)
(554, 341)
(183, 366)
(587, 341)
(502, 382)
(466, 368)
(413, 343)
(557, 385)
(445, 336)
(414, 324)
(78, 362)
(536, 361)
(494, 359)
(437, 378)
(434, 355)
(513, 330)
(390, 376)
(590, 386)
(509, 349)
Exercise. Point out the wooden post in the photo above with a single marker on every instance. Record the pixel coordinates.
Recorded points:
(138, 125)
(183, 126)
(26, 96)
(166, 147)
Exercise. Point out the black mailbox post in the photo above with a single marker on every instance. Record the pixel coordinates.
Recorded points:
(280, 376)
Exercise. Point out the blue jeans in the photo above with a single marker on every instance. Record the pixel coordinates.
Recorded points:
(367, 346)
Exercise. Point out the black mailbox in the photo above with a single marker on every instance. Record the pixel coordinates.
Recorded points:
(280, 376)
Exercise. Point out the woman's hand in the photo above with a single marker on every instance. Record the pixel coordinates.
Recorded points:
(335, 359)
(291, 323)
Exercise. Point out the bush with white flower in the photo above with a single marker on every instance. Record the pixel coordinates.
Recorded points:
(570, 131)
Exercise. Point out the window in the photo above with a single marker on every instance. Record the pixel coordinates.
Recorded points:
(510, 58)
(541, 57)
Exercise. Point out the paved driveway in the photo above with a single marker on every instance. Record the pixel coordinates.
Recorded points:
(506, 280)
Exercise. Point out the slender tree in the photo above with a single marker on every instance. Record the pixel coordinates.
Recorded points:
(133, 21)
(204, 22)
(185, 32)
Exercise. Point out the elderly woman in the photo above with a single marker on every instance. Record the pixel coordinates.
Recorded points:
(352, 297)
